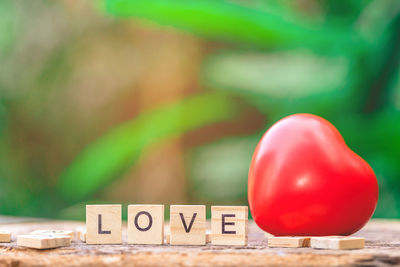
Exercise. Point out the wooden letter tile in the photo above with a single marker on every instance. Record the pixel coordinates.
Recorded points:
(146, 224)
(188, 224)
(43, 241)
(337, 242)
(229, 225)
(103, 224)
(81, 233)
(288, 241)
(5, 236)
(54, 232)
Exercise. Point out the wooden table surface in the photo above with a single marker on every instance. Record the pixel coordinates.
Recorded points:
(382, 249)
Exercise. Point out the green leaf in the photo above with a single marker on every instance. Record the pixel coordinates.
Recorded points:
(232, 22)
(376, 17)
(280, 75)
(105, 159)
(283, 83)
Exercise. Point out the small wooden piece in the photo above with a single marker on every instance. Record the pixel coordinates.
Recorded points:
(5, 236)
(288, 241)
(103, 224)
(208, 237)
(229, 225)
(43, 241)
(81, 233)
(337, 242)
(54, 232)
(188, 224)
(146, 224)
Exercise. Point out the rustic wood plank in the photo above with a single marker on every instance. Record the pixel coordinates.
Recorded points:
(382, 248)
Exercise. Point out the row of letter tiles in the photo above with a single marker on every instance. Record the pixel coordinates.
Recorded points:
(320, 242)
(187, 224)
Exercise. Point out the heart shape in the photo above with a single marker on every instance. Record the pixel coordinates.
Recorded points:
(304, 180)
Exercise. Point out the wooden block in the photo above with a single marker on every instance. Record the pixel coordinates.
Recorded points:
(55, 232)
(229, 225)
(337, 242)
(208, 237)
(188, 224)
(146, 224)
(103, 224)
(5, 236)
(81, 233)
(288, 241)
(43, 241)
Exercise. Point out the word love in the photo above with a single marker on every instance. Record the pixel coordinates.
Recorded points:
(187, 224)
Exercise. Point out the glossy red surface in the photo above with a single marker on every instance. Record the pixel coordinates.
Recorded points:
(304, 180)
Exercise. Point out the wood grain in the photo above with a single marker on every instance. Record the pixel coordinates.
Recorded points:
(382, 248)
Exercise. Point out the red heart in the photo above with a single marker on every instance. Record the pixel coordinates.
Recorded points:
(304, 180)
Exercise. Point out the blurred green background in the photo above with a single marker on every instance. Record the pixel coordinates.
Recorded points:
(123, 101)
